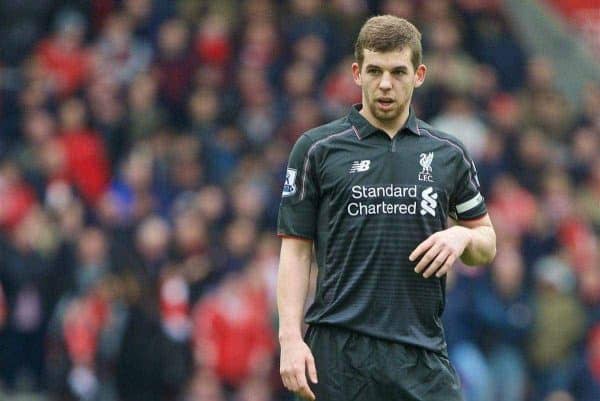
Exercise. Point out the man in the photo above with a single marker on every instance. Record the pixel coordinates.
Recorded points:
(372, 192)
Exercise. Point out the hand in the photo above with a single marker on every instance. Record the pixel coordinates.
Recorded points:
(296, 359)
(440, 251)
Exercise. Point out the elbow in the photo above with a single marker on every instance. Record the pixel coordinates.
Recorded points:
(483, 257)
(488, 257)
(491, 254)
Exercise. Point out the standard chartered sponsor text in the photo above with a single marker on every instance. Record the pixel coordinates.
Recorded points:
(391, 191)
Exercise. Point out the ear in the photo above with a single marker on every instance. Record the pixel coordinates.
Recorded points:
(420, 75)
(356, 74)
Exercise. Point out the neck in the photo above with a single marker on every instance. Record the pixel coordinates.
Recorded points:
(390, 127)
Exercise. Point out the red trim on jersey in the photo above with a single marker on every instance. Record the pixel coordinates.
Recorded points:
(293, 236)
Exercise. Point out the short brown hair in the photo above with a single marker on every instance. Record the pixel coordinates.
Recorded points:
(385, 33)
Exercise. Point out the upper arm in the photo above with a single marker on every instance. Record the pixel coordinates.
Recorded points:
(466, 202)
(483, 221)
(300, 199)
(296, 249)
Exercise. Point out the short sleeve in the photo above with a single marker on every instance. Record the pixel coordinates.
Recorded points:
(299, 198)
(467, 203)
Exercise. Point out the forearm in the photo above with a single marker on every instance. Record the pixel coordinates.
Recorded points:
(292, 286)
(481, 247)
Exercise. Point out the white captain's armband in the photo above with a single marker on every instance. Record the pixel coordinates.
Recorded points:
(470, 204)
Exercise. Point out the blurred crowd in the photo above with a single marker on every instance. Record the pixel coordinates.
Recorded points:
(143, 145)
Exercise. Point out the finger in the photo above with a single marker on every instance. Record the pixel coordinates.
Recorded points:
(286, 381)
(446, 266)
(436, 263)
(300, 378)
(303, 388)
(307, 393)
(293, 380)
(312, 369)
(427, 258)
(422, 247)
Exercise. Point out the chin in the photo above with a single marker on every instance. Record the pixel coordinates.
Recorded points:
(391, 115)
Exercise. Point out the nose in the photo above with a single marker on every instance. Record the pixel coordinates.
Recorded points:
(386, 81)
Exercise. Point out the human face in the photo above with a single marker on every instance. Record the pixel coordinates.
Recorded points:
(388, 80)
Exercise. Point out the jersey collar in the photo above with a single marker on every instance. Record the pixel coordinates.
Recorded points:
(364, 128)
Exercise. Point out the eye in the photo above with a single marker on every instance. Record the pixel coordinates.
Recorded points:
(373, 71)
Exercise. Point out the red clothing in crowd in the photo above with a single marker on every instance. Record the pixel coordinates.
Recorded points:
(69, 68)
(84, 320)
(17, 200)
(86, 163)
(515, 220)
(233, 333)
(3, 308)
(341, 89)
(579, 241)
(174, 77)
(213, 47)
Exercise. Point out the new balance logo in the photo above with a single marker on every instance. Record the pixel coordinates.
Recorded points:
(429, 202)
(359, 166)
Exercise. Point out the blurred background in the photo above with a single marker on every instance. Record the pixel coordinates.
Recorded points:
(143, 146)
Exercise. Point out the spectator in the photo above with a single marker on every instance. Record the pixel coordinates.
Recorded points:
(205, 386)
(118, 53)
(552, 348)
(345, 18)
(63, 57)
(305, 19)
(339, 89)
(84, 154)
(152, 247)
(495, 46)
(462, 335)
(146, 116)
(107, 116)
(174, 65)
(25, 271)
(591, 102)
(590, 385)
(450, 67)
(17, 195)
(590, 196)
(259, 45)
(213, 43)
(503, 308)
(204, 109)
(542, 104)
(232, 336)
(259, 115)
(458, 116)
(533, 157)
(585, 145)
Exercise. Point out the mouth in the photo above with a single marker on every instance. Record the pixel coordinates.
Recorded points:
(385, 103)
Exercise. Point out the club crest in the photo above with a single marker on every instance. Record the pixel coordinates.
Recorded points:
(425, 160)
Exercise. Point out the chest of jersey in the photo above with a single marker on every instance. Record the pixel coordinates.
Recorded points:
(395, 178)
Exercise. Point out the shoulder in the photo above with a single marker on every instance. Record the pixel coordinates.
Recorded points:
(312, 139)
(328, 132)
(449, 141)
